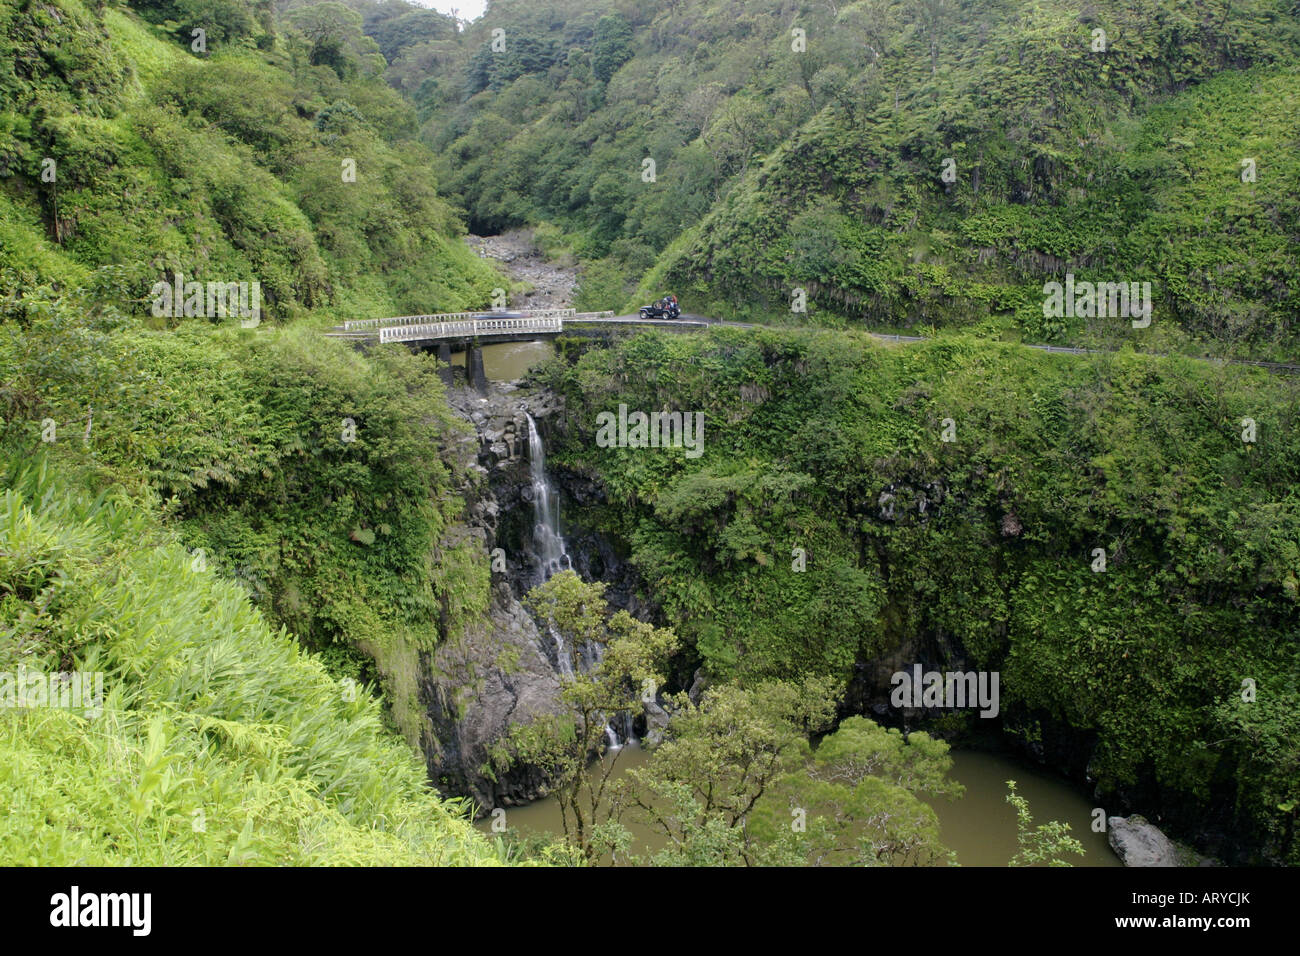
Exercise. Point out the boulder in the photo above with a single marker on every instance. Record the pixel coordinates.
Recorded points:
(656, 721)
(699, 684)
(1139, 843)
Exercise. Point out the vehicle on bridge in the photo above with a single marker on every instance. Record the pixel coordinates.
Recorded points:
(665, 308)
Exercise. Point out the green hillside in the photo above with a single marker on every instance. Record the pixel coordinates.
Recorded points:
(1114, 155)
(225, 165)
(830, 522)
(180, 531)
(257, 534)
(219, 740)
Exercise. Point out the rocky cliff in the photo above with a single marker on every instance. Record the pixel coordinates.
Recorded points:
(502, 670)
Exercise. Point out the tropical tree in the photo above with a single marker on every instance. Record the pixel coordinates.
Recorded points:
(858, 801)
(628, 654)
(613, 46)
(720, 758)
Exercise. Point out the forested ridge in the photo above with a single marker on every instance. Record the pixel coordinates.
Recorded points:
(217, 164)
(255, 533)
(908, 165)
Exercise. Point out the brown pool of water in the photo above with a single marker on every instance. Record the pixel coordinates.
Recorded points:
(508, 361)
(980, 826)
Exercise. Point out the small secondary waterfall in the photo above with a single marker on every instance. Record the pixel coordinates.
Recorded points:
(561, 653)
(618, 729)
(551, 552)
(615, 739)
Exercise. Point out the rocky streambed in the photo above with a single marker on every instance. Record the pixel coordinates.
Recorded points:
(544, 283)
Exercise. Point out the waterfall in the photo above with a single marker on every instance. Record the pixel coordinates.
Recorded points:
(611, 738)
(553, 557)
(551, 552)
(618, 728)
(561, 653)
(549, 544)
(616, 738)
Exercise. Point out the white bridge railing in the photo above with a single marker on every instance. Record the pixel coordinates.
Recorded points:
(459, 325)
(473, 327)
(357, 324)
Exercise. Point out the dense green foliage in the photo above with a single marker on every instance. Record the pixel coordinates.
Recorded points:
(828, 443)
(733, 779)
(219, 741)
(736, 783)
(229, 164)
(309, 473)
(822, 167)
(307, 481)
(269, 482)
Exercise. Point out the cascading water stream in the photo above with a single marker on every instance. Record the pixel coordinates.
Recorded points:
(615, 739)
(618, 729)
(546, 532)
(553, 556)
(551, 552)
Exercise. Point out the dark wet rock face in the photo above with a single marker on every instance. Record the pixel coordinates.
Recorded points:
(498, 484)
(502, 671)
(474, 689)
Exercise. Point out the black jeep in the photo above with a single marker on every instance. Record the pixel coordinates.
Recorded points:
(665, 308)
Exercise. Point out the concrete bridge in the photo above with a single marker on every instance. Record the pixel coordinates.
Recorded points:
(470, 331)
(463, 327)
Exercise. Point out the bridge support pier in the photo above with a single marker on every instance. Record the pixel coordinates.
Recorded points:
(474, 371)
(444, 364)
